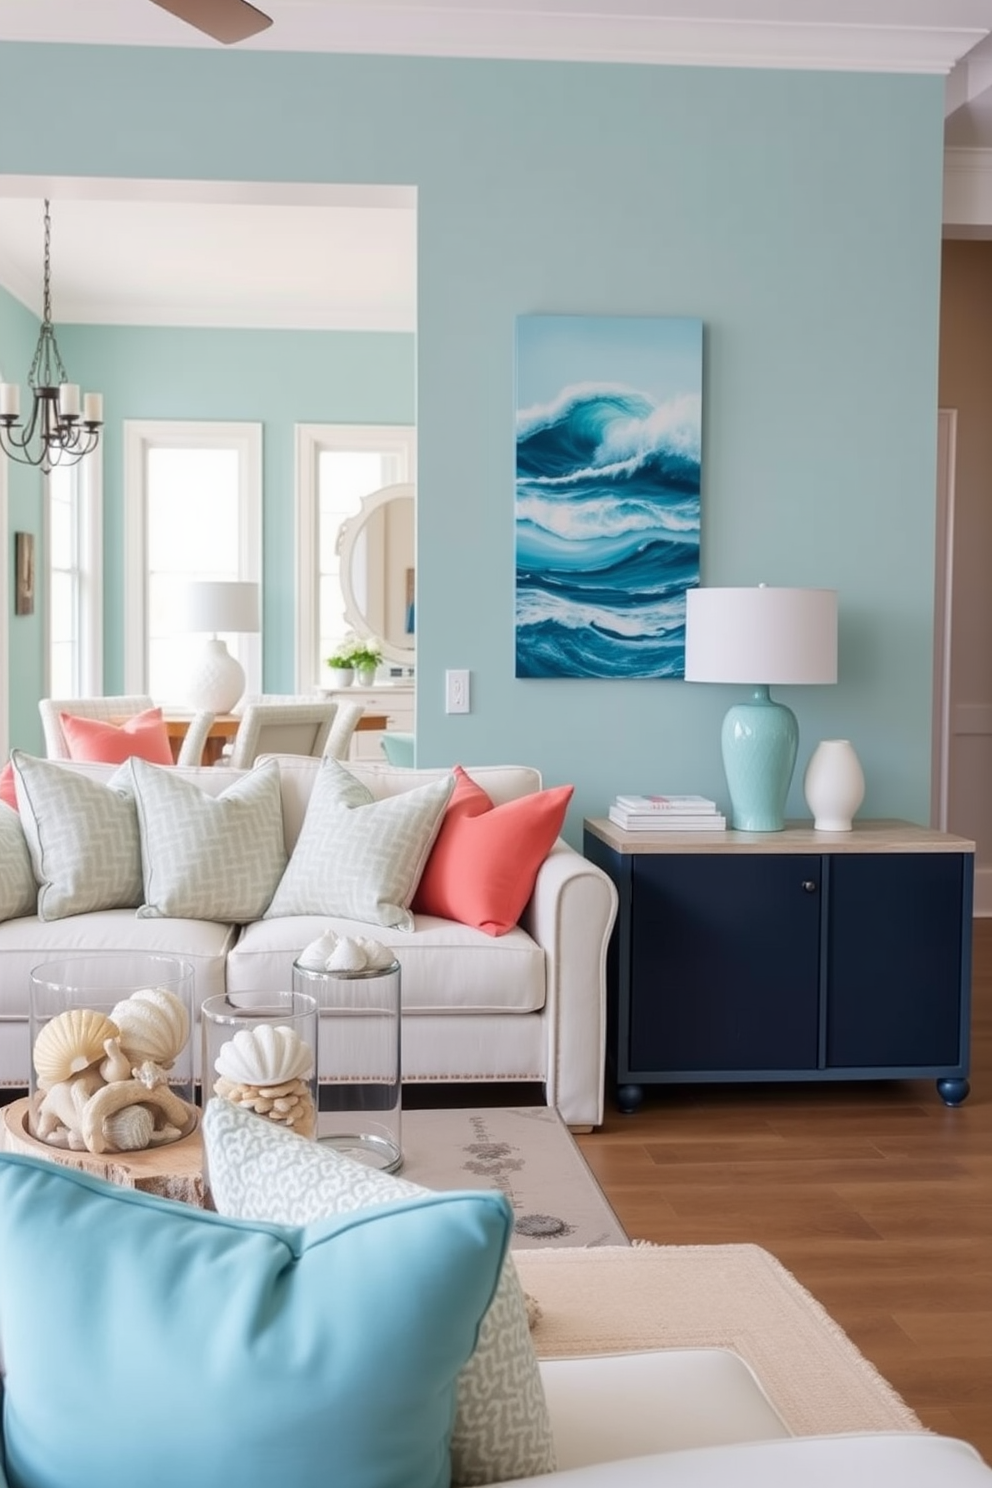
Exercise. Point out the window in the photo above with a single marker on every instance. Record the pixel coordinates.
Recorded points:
(336, 466)
(75, 587)
(193, 504)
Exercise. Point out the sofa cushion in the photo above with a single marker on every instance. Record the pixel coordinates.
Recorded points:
(208, 857)
(258, 1171)
(500, 782)
(358, 857)
(265, 1354)
(445, 966)
(18, 890)
(8, 790)
(82, 836)
(486, 858)
(144, 735)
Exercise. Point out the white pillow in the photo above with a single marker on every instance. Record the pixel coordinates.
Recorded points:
(18, 890)
(259, 1171)
(82, 836)
(359, 858)
(208, 857)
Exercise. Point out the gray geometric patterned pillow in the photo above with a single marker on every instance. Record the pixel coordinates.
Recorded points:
(208, 857)
(357, 857)
(257, 1170)
(18, 890)
(82, 836)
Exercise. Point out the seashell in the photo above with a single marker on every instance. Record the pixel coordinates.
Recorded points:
(347, 955)
(377, 955)
(69, 1043)
(129, 1130)
(314, 956)
(267, 1055)
(154, 1025)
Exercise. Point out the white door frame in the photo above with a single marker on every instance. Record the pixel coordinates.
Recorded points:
(947, 428)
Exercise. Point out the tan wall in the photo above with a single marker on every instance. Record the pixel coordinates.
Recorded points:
(966, 385)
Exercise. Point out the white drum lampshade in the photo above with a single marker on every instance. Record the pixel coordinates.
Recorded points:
(760, 636)
(218, 607)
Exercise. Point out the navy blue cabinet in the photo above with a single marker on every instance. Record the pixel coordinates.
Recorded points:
(788, 956)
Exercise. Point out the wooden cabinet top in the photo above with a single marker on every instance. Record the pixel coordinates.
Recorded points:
(797, 837)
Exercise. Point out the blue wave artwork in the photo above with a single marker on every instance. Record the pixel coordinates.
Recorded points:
(609, 425)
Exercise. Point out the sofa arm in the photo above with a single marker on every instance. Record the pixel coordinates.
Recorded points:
(570, 915)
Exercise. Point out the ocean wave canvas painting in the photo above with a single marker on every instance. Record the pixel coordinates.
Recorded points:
(607, 507)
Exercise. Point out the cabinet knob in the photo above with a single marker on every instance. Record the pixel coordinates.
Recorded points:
(809, 885)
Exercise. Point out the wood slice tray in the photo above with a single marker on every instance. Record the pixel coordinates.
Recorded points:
(174, 1171)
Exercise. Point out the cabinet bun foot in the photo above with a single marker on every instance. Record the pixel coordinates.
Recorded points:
(953, 1092)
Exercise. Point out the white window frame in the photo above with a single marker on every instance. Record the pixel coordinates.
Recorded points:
(399, 440)
(88, 562)
(141, 435)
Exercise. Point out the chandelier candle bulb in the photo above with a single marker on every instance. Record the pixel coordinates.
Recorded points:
(10, 400)
(93, 408)
(69, 399)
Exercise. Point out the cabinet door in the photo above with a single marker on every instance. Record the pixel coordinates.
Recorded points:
(725, 963)
(894, 960)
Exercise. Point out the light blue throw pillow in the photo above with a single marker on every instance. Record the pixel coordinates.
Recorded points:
(148, 1342)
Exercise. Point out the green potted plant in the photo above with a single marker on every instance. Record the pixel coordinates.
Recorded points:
(341, 671)
(365, 658)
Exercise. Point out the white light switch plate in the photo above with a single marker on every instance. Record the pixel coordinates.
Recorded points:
(456, 692)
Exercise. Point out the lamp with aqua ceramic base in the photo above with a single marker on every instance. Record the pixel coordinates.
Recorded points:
(763, 637)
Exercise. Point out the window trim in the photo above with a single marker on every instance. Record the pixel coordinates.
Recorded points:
(88, 559)
(311, 440)
(140, 435)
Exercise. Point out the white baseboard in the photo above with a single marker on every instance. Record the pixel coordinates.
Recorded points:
(983, 893)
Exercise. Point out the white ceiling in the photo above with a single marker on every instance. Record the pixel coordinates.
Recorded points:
(188, 253)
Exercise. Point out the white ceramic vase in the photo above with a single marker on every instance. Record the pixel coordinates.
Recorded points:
(834, 785)
(340, 677)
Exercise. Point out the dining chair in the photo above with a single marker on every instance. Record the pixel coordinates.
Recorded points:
(106, 709)
(195, 737)
(281, 728)
(344, 725)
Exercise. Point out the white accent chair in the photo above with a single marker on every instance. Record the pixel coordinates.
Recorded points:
(282, 728)
(195, 738)
(105, 709)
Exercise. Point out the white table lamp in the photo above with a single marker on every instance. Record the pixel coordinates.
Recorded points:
(218, 607)
(761, 636)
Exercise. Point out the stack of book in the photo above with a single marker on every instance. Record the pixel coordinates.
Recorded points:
(667, 814)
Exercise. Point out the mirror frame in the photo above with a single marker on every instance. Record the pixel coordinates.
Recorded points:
(348, 534)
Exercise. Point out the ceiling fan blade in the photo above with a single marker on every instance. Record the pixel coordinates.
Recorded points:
(224, 20)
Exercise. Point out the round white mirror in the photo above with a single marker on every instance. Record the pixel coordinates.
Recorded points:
(376, 549)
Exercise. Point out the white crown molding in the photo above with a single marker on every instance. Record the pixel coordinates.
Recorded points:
(967, 192)
(522, 30)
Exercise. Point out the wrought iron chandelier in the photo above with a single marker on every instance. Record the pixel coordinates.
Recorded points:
(57, 433)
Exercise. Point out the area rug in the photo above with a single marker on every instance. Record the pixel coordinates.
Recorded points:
(529, 1154)
(736, 1297)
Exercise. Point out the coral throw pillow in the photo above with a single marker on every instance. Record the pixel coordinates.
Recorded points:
(482, 867)
(8, 793)
(112, 743)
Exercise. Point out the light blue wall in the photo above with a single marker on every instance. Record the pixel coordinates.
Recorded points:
(797, 213)
(25, 633)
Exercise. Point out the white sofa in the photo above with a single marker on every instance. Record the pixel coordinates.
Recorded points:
(698, 1418)
(525, 1006)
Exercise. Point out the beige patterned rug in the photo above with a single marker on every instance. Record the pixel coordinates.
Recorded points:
(525, 1151)
(737, 1297)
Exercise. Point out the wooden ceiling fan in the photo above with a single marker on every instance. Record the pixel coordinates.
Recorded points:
(224, 20)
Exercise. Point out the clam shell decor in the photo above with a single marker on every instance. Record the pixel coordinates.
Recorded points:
(332, 952)
(154, 1025)
(377, 955)
(268, 1055)
(69, 1043)
(130, 1129)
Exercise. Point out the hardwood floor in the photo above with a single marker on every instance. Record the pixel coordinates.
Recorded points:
(875, 1195)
